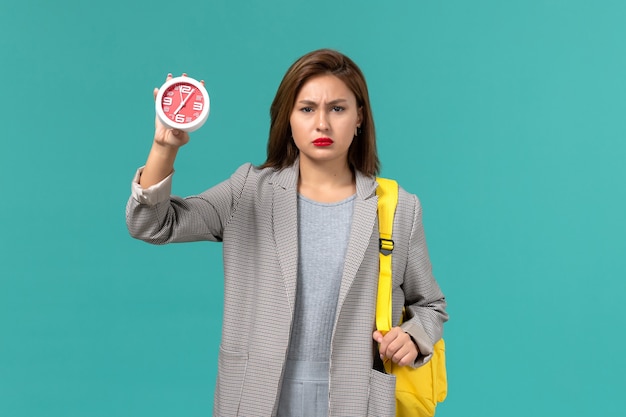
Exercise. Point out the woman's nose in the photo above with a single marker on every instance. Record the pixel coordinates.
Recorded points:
(322, 122)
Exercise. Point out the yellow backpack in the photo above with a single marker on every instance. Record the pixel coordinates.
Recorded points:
(418, 390)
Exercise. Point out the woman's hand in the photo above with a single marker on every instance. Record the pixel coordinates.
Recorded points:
(165, 147)
(396, 345)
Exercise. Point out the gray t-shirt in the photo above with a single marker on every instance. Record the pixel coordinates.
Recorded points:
(323, 233)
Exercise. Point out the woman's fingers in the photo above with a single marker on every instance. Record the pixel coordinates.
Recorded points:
(397, 346)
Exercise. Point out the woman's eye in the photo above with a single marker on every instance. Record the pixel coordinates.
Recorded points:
(338, 108)
(306, 110)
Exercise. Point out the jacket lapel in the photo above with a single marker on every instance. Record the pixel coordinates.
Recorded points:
(363, 221)
(285, 225)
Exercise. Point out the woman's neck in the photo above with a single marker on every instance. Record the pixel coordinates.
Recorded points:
(326, 183)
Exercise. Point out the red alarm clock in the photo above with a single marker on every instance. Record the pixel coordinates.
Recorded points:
(183, 103)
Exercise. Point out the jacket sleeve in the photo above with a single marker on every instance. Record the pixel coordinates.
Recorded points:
(425, 304)
(155, 216)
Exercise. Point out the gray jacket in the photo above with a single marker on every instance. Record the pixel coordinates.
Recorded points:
(254, 214)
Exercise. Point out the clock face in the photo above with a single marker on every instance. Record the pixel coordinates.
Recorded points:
(183, 103)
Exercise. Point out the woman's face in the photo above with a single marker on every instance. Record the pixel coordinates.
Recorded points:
(323, 120)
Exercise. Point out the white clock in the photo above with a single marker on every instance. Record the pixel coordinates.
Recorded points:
(183, 103)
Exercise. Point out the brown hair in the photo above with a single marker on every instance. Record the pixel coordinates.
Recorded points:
(281, 149)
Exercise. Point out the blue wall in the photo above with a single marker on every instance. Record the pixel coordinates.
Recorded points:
(506, 118)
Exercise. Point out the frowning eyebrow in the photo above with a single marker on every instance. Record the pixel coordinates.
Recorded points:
(330, 103)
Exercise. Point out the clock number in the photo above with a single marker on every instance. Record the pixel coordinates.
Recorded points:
(179, 118)
(197, 106)
(185, 89)
(167, 101)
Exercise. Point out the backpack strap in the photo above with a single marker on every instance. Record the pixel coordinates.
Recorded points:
(387, 192)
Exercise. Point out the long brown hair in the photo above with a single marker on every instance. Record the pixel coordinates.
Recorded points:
(281, 149)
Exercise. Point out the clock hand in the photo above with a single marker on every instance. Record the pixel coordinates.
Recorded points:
(184, 101)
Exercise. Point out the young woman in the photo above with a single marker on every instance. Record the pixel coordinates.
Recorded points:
(300, 242)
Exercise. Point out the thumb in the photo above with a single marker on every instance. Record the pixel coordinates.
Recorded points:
(377, 336)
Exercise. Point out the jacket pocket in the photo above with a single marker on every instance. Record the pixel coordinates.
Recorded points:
(231, 374)
(382, 395)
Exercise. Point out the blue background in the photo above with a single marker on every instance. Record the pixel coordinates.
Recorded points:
(506, 118)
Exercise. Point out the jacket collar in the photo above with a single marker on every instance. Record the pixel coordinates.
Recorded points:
(285, 226)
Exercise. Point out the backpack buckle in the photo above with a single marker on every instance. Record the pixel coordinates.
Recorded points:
(385, 246)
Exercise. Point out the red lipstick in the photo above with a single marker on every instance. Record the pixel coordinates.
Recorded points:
(323, 142)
